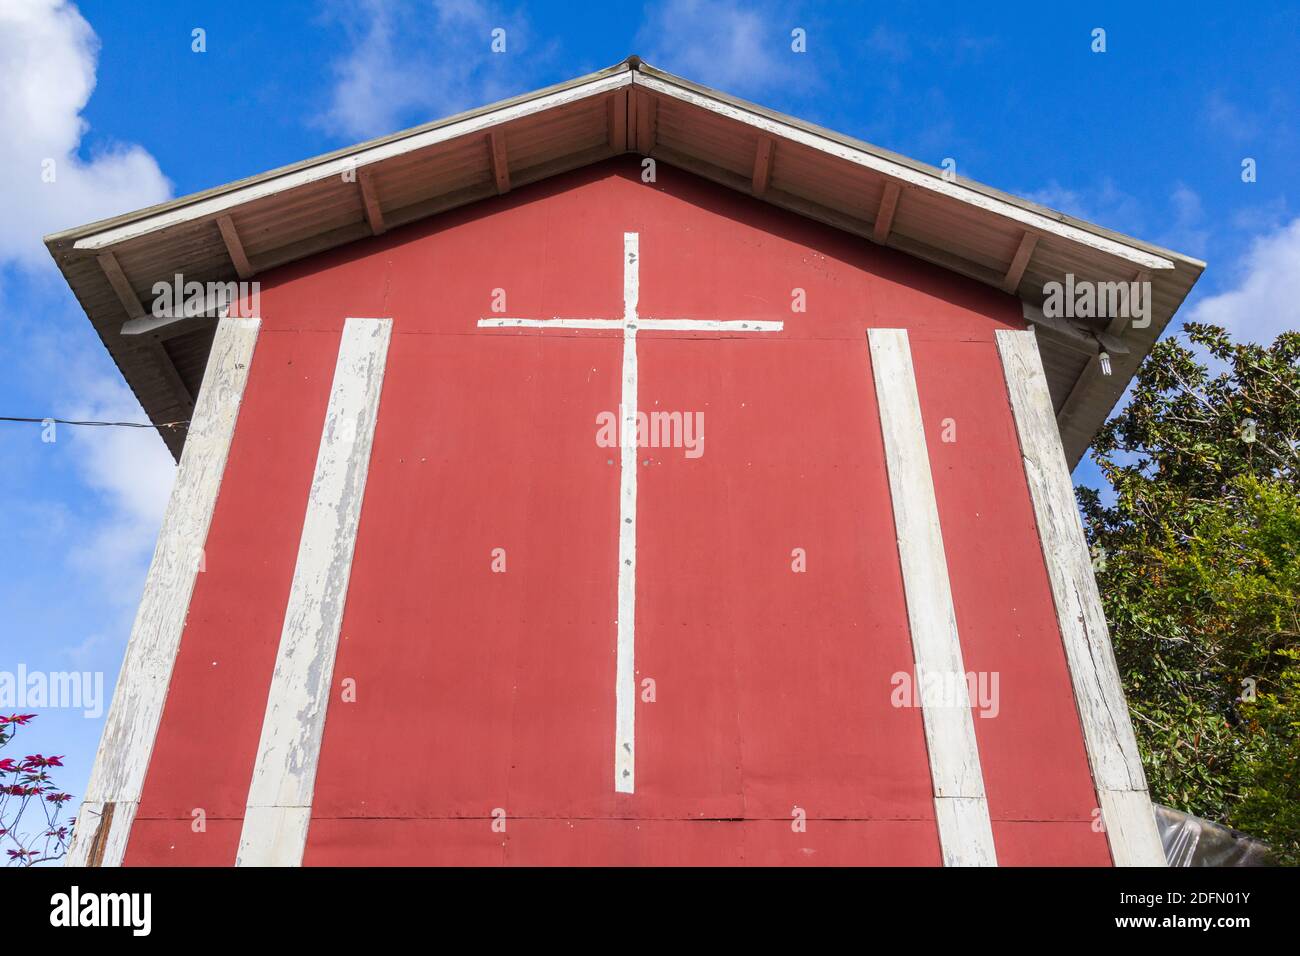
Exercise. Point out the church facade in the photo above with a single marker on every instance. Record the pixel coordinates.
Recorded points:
(622, 474)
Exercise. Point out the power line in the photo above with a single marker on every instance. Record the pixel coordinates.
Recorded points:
(65, 421)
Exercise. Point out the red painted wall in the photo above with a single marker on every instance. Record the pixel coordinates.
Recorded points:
(478, 690)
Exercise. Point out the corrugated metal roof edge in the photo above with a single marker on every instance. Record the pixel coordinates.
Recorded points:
(880, 152)
(89, 229)
(633, 63)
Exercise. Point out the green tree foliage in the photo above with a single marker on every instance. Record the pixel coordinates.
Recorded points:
(1198, 561)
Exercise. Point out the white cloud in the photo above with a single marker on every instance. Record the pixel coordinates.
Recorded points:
(734, 46)
(1182, 226)
(888, 45)
(1227, 119)
(414, 62)
(1264, 216)
(1266, 298)
(1104, 204)
(48, 56)
(108, 519)
(1186, 229)
(48, 62)
(131, 471)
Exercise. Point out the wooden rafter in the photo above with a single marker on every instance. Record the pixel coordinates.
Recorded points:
(763, 164)
(646, 115)
(370, 199)
(117, 279)
(234, 247)
(888, 206)
(154, 349)
(584, 122)
(1020, 262)
(500, 164)
(618, 121)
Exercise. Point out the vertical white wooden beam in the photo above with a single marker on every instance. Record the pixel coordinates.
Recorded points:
(1107, 730)
(625, 652)
(284, 774)
(117, 779)
(961, 809)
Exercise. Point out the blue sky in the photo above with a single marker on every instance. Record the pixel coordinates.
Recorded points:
(1146, 138)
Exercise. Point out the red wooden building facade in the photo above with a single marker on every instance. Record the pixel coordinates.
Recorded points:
(410, 605)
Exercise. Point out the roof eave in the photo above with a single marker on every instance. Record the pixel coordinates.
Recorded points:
(995, 238)
(76, 233)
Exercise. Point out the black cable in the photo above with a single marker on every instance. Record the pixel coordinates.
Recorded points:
(65, 421)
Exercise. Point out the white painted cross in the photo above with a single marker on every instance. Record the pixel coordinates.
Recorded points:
(624, 671)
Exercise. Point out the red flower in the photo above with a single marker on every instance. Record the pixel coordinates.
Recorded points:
(8, 766)
(18, 719)
(58, 797)
(37, 760)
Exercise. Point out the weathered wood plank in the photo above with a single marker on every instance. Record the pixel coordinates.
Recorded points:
(284, 774)
(961, 809)
(1107, 731)
(117, 778)
(1131, 828)
(625, 652)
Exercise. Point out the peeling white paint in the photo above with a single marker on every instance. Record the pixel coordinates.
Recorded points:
(961, 810)
(1107, 731)
(625, 691)
(132, 727)
(284, 775)
(625, 662)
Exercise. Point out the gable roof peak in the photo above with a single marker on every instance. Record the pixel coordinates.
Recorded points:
(244, 228)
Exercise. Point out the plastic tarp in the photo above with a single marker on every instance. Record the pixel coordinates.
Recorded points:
(1191, 841)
